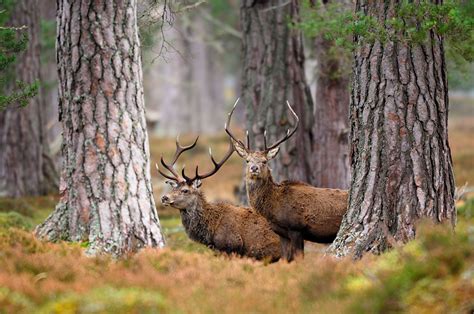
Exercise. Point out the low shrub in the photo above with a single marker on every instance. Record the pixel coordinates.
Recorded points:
(431, 274)
(14, 220)
(108, 300)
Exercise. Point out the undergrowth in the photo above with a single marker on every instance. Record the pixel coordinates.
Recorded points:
(432, 274)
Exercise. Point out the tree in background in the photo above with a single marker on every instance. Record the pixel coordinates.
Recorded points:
(400, 156)
(23, 160)
(13, 40)
(331, 113)
(273, 72)
(106, 193)
(49, 85)
(185, 54)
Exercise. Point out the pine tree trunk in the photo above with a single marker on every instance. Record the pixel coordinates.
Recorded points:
(331, 115)
(106, 193)
(331, 120)
(21, 129)
(49, 96)
(274, 73)
(400, 157)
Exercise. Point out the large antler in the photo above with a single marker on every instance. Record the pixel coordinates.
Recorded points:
(179, 150)
(227, 125)
(288, 134)
(217, 165)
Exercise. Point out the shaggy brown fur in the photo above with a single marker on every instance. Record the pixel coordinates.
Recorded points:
(223, 226)
(296, 211)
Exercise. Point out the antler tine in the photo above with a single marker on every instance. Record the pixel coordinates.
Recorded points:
(227, 125)
(174, 178)
(248, 139)
(169, 168)
(188, 179)
(289, 132)
(217, 165)
(265, 139)
(179, 150)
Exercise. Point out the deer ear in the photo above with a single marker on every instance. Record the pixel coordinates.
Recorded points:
(172, 183)
(240, 149)
(197, 184)
(272, 153)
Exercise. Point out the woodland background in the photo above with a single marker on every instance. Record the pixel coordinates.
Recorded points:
(192, 71)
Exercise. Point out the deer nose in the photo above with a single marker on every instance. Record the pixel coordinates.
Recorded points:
(254, 168)
(164, 199)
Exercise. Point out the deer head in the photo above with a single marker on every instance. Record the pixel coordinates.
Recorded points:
(185, 190)
(257, 167)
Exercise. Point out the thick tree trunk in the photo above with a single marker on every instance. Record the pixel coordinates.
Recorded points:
(331, 118)
(21, 129)
(274, 73)
(400, 156)
(106, 193)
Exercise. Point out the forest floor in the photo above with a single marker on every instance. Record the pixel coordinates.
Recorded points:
(432, 274)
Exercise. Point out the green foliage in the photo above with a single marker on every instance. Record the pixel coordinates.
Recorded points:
(412, 24)
(14, 220)
(454, 20)
(13, 40)
(108, 300)
(13, 301)
(466, 209)
(430, 274)
(18, 205)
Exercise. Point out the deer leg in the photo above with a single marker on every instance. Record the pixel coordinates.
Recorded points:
(285, 248)
(297, 244)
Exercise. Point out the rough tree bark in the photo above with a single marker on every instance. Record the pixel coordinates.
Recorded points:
(273, 72)
(106, 193)
(331, 116)
(22, 156)
(400, 156)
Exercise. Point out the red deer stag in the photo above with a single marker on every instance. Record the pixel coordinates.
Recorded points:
(221, 226)
(296, 211)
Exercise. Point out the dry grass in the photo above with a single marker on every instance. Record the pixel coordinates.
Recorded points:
(461, 140)
(431, 274)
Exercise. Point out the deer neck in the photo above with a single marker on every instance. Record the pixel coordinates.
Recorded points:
(259, 192)
(198, 221)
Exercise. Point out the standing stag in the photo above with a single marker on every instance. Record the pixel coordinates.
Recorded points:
(221, 226)
(296, 211)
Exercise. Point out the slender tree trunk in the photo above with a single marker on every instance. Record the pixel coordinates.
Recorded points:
(400, 157)
(274, 73)
(191, 77)
(21, 129)
(331, 118)
(49, 95)
(106, 193)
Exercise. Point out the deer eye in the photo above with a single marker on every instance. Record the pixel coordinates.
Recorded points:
(185, 191)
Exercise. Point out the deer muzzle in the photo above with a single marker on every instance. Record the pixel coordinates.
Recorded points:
(166, 200)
